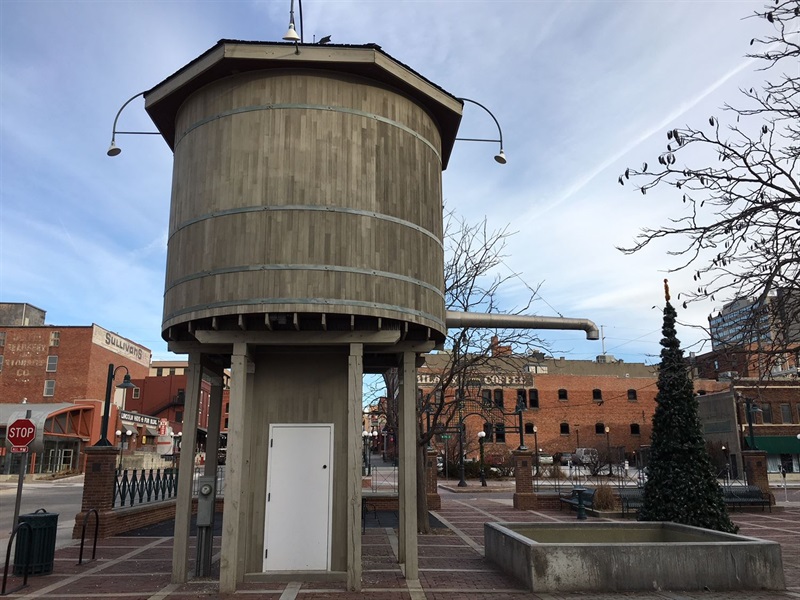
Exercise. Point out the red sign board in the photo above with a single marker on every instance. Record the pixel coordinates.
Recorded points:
(21, 432)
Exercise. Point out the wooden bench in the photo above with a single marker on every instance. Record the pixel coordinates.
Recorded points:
(748, 495)
(631, 499)
(572, 499)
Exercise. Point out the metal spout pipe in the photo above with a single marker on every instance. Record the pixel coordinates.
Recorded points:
(467, 319)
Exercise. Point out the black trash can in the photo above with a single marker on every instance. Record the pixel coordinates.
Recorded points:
(42, 535)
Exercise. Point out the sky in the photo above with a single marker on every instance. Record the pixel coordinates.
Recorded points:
(581, 90)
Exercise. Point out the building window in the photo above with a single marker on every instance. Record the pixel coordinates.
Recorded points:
(600, 428)
(486, 398)
(227, 407)
(632, 396)
(159, 371)
(766, 413)
(597, 395)
(500, 432)
(498, 398)
(55, 338)
(226, 422)
(2, 338)
(1, 363)
(52, 363)
(635, 429)
(786, 413)
(136, 393)
(562, 394)
(565, 429)
(172, 371)
(522, 399)
(49, 387)
(533, 398)
(179, 416)
(529, 428)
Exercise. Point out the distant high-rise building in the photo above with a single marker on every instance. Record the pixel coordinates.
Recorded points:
(775, 320)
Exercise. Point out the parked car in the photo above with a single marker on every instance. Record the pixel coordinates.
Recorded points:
(545, 458)
(222, 456)
(565, 458)
(585, 456)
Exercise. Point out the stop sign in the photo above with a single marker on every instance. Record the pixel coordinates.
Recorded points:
(21, 432)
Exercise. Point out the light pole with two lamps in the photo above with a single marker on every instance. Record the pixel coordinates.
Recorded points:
(608, 449)
(126, 384)
(481, 437)
(536, 445)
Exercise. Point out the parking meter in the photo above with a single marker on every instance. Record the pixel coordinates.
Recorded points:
(205, 500)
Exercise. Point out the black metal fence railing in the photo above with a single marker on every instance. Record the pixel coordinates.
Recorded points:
(140, 486)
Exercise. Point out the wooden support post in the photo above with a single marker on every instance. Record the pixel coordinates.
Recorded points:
(408, 465)
(355, 372)
(183, 507)
(235, 469)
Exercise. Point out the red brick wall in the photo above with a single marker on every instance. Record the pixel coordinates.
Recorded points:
(82, 369)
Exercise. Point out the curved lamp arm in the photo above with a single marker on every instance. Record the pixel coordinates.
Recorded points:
(113, 149)
(499, 157)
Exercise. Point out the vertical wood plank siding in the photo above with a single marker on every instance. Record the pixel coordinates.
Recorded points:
(305, 191)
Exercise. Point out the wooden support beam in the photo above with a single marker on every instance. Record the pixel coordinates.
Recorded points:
(354, 446)
(231, 564)
(288, 338)
(407, 531)
(183, 506)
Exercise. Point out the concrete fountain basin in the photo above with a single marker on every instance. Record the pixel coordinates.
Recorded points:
(609, 557)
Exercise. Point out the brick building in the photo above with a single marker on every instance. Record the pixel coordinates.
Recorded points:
(568, 403)
(775, 411)
(60, 373)
(162, 394)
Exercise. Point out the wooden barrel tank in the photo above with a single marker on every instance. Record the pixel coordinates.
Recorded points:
(305, 192)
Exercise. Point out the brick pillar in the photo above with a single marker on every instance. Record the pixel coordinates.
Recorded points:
(524, 498)
(432, 480)
(98, 488)
(755, 468)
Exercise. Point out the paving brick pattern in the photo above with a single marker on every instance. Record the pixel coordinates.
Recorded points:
(452, 566)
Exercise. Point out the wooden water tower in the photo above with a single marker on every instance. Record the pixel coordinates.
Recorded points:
(305, 248)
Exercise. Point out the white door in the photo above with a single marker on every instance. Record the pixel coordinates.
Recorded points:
(297, 526)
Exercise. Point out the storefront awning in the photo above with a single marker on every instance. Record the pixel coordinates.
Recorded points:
(126, 428)
(151, 431)
(776, 444)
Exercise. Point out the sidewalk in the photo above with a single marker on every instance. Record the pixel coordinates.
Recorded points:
(452, 566)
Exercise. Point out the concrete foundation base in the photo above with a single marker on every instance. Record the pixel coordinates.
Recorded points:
(623, 557)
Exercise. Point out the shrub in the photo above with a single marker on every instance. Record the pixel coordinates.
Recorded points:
(603, 497)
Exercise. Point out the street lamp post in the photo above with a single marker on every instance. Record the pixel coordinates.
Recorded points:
(536, 445)
(364, 438)
(462, 482)
(126, 384)
(608, 449)
(374, 438)
(520, 409)
(481, 437)
(119, 436)
(750, 408)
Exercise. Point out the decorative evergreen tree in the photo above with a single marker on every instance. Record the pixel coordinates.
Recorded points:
(681, 485)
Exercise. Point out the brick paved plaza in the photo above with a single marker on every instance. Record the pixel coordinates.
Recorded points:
(452, 566)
